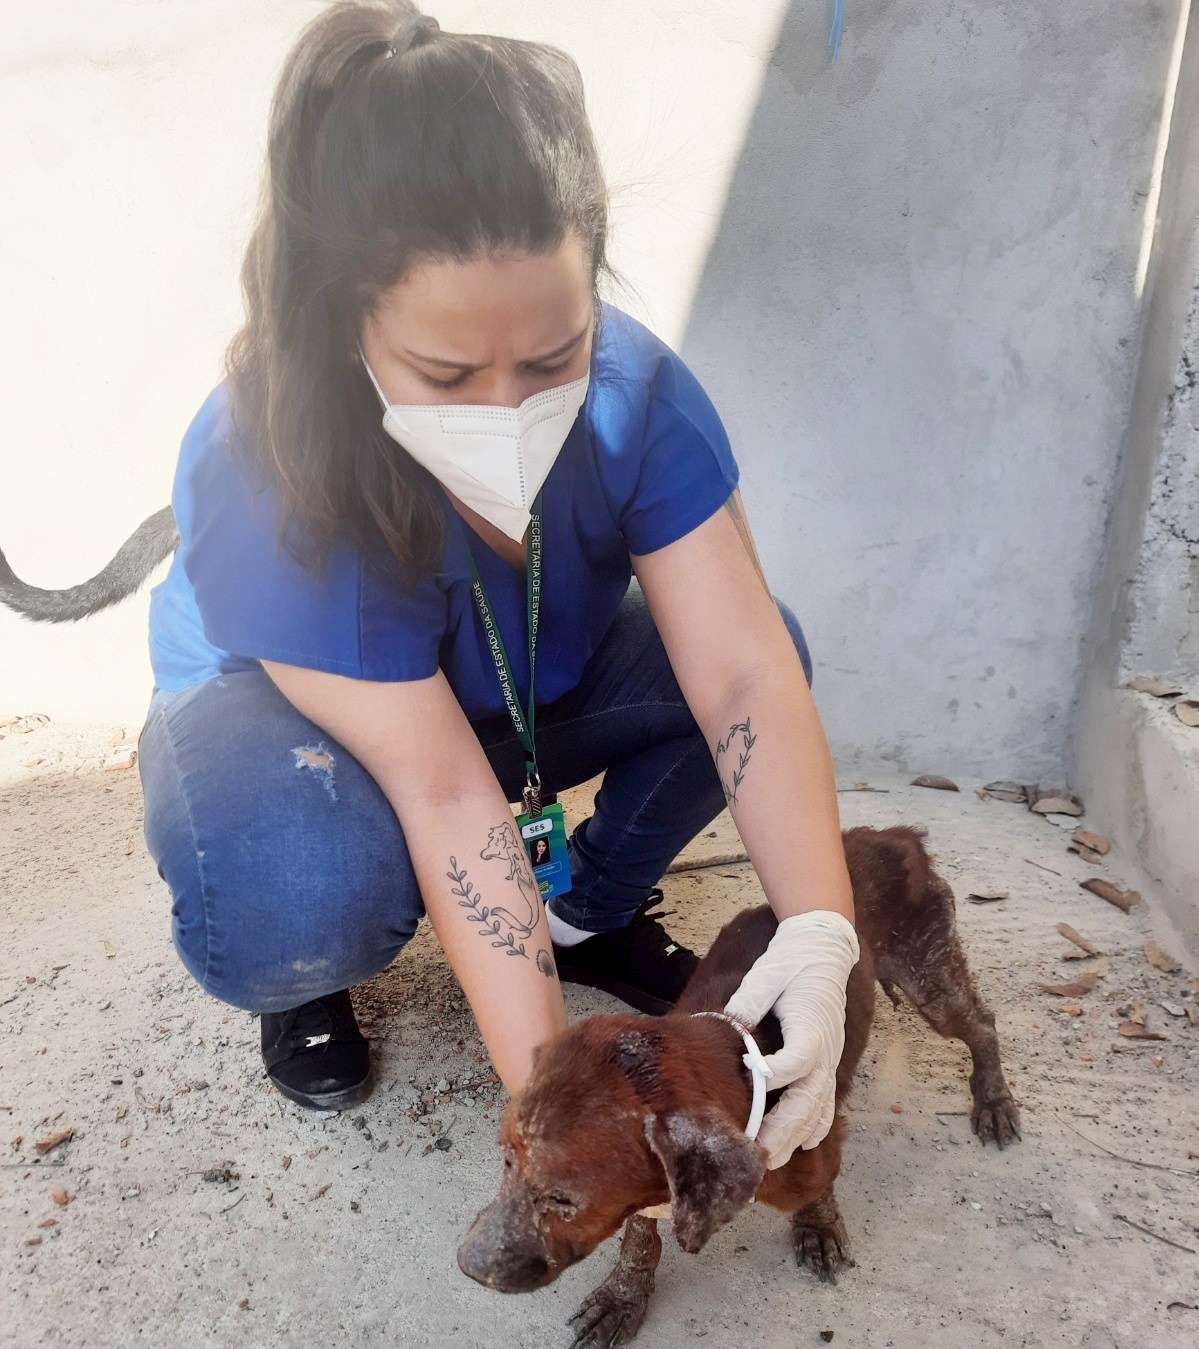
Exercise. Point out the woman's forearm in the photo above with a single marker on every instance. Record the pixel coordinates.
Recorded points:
(482, 900)
(470, 862)
(774, 762)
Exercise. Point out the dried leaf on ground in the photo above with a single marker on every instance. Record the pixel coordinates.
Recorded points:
(121, 758)
(1137, 1015)
(1072, 934)
(1192, 1013)
(109, 949)
(61, 1197)
(1096, 842)
(932, 780)
(1006, 791)
(987, 896)
(1187, 711)
(1122, 899)
(1132, 1031)
(1070, 1009)
(1075, 988)
(1158, 688)
(1057, 804)
(51, 1141)
(1087, 854)
(1159, 959)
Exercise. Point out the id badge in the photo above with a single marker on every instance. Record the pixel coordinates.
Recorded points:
(545, 842)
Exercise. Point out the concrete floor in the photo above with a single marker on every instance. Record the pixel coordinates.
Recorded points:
(342, 1230)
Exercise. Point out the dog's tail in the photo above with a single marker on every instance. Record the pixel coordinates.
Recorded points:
(152, 541)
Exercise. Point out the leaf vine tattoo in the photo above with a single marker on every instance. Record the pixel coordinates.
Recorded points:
(469, 898)
(742, 749)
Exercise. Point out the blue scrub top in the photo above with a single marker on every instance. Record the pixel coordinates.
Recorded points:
(646, 461)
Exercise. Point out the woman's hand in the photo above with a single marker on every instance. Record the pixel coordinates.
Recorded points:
(801, 977)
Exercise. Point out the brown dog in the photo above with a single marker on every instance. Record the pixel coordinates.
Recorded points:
(622, 1113)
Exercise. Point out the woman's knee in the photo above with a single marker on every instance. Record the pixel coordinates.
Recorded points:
(289, 876)
(274, 966)
(797, 636)
(266, 934)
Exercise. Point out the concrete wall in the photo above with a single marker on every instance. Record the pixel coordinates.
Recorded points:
(908, 280)
(1136, 765)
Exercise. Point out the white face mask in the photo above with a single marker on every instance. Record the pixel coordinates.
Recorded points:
(493, 459)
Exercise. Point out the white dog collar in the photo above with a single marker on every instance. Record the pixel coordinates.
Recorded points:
(759, 1071)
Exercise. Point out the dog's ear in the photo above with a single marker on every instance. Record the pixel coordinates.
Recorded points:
(712, 1169)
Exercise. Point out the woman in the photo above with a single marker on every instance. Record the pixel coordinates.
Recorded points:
(435, 450)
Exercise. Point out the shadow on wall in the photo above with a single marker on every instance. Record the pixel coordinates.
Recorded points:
(915, 320)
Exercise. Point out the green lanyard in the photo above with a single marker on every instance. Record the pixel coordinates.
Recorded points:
(531, 793)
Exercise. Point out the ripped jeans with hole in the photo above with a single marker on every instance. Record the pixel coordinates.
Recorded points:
(288, 871)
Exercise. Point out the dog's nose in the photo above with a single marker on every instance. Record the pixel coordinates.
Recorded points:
(501, 1253)
(504, 1270)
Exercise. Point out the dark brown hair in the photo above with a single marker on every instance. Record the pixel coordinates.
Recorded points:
(390, 143)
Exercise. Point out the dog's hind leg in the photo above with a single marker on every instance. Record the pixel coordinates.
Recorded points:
(925, 958)
(818, 1235)
(612, 1313)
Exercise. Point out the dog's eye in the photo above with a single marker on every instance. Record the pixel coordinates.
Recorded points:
(563, 1206)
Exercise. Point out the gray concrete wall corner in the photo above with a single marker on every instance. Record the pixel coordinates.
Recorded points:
(1135, 764)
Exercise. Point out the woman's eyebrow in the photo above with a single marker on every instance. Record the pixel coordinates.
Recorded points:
(471, 369)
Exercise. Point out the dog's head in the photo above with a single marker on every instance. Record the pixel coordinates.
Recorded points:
(609, 1123)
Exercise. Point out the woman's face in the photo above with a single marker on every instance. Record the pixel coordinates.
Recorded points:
(495, 330)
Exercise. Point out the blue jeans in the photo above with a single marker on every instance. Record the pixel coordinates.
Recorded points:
(288, 869)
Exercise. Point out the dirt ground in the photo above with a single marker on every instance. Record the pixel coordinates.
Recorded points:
(202, 1207)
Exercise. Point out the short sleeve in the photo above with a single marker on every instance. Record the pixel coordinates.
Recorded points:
(257, 602)
(687, 466)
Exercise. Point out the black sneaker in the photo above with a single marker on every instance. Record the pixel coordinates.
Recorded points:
(639, 964)
(316, 1055)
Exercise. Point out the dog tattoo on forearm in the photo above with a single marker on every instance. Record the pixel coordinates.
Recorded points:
(507, 927)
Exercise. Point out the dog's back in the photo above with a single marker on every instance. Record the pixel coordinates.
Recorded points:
(904, 914)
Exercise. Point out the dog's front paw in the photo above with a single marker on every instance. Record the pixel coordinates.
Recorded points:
(996, 1121)
(821, 1245)
(609, 1316)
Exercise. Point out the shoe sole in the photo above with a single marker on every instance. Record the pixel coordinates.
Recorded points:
(635, 997)
(330, 1100)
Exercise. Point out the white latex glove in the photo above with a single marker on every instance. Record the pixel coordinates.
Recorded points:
(801, 977)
